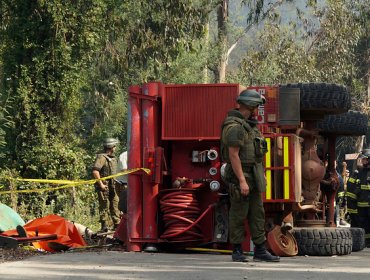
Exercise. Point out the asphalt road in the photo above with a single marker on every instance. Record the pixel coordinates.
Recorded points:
(164, 266)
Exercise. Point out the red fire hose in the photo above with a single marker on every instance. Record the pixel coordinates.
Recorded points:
(181, 215)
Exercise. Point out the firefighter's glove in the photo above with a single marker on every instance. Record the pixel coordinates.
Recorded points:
(234, 192)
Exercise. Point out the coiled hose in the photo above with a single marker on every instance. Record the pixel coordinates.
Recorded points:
(181, 215)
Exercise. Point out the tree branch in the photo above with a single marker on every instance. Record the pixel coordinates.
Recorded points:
(249, 27)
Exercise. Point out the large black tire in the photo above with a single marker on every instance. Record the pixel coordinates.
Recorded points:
(352, 123)
(323, 241)
(319, 99)
(358, 239)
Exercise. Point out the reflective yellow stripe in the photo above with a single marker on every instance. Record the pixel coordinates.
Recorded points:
(353, 180)
(363, 204)
(352, 211)
(340, 194)
(351, 195)
(268, 172)
(286, 168)
(365, 187)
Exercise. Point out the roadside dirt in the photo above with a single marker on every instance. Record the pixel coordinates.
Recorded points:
(8, 255)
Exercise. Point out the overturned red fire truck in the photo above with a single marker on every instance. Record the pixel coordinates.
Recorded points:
(174, 130)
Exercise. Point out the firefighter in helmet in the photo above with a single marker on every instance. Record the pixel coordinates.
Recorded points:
(358, 195)
(106, 165)
(243, 148)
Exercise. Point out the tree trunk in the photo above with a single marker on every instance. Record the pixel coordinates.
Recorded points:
(222, 19)
(205, 69)
(367, 103)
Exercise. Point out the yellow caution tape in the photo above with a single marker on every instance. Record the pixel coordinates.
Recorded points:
(67, 183)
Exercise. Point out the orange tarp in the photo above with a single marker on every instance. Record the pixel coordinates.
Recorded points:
(66, 231)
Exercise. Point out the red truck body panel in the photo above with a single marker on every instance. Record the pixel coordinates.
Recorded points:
(174, 130)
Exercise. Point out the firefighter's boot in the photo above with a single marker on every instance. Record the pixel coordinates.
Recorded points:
(262, 255)
(238, 255)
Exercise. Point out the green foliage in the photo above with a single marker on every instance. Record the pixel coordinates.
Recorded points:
(67, 67)
(7, 184)
(103, 112)
(258, 8)
(6, 122)
(281, 56)
(54, 158)
(75, 204)
(46, 67)
(188, 68)
(161, 29)
(49, 46)
(333, 44)
(276, 58)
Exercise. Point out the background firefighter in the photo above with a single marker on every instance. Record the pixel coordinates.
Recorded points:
(358, 195)
(106, 165)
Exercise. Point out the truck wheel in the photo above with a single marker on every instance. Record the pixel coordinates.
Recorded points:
(358, 238)
(352, 123)
(323, 241)
(319, 99)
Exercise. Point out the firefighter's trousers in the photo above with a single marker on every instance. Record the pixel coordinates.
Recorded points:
(250, 207)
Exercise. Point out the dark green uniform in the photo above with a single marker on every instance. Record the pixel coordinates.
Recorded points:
(237, 132)
(108, 200)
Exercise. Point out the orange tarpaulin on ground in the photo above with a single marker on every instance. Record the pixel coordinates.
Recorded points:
(66, 231)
